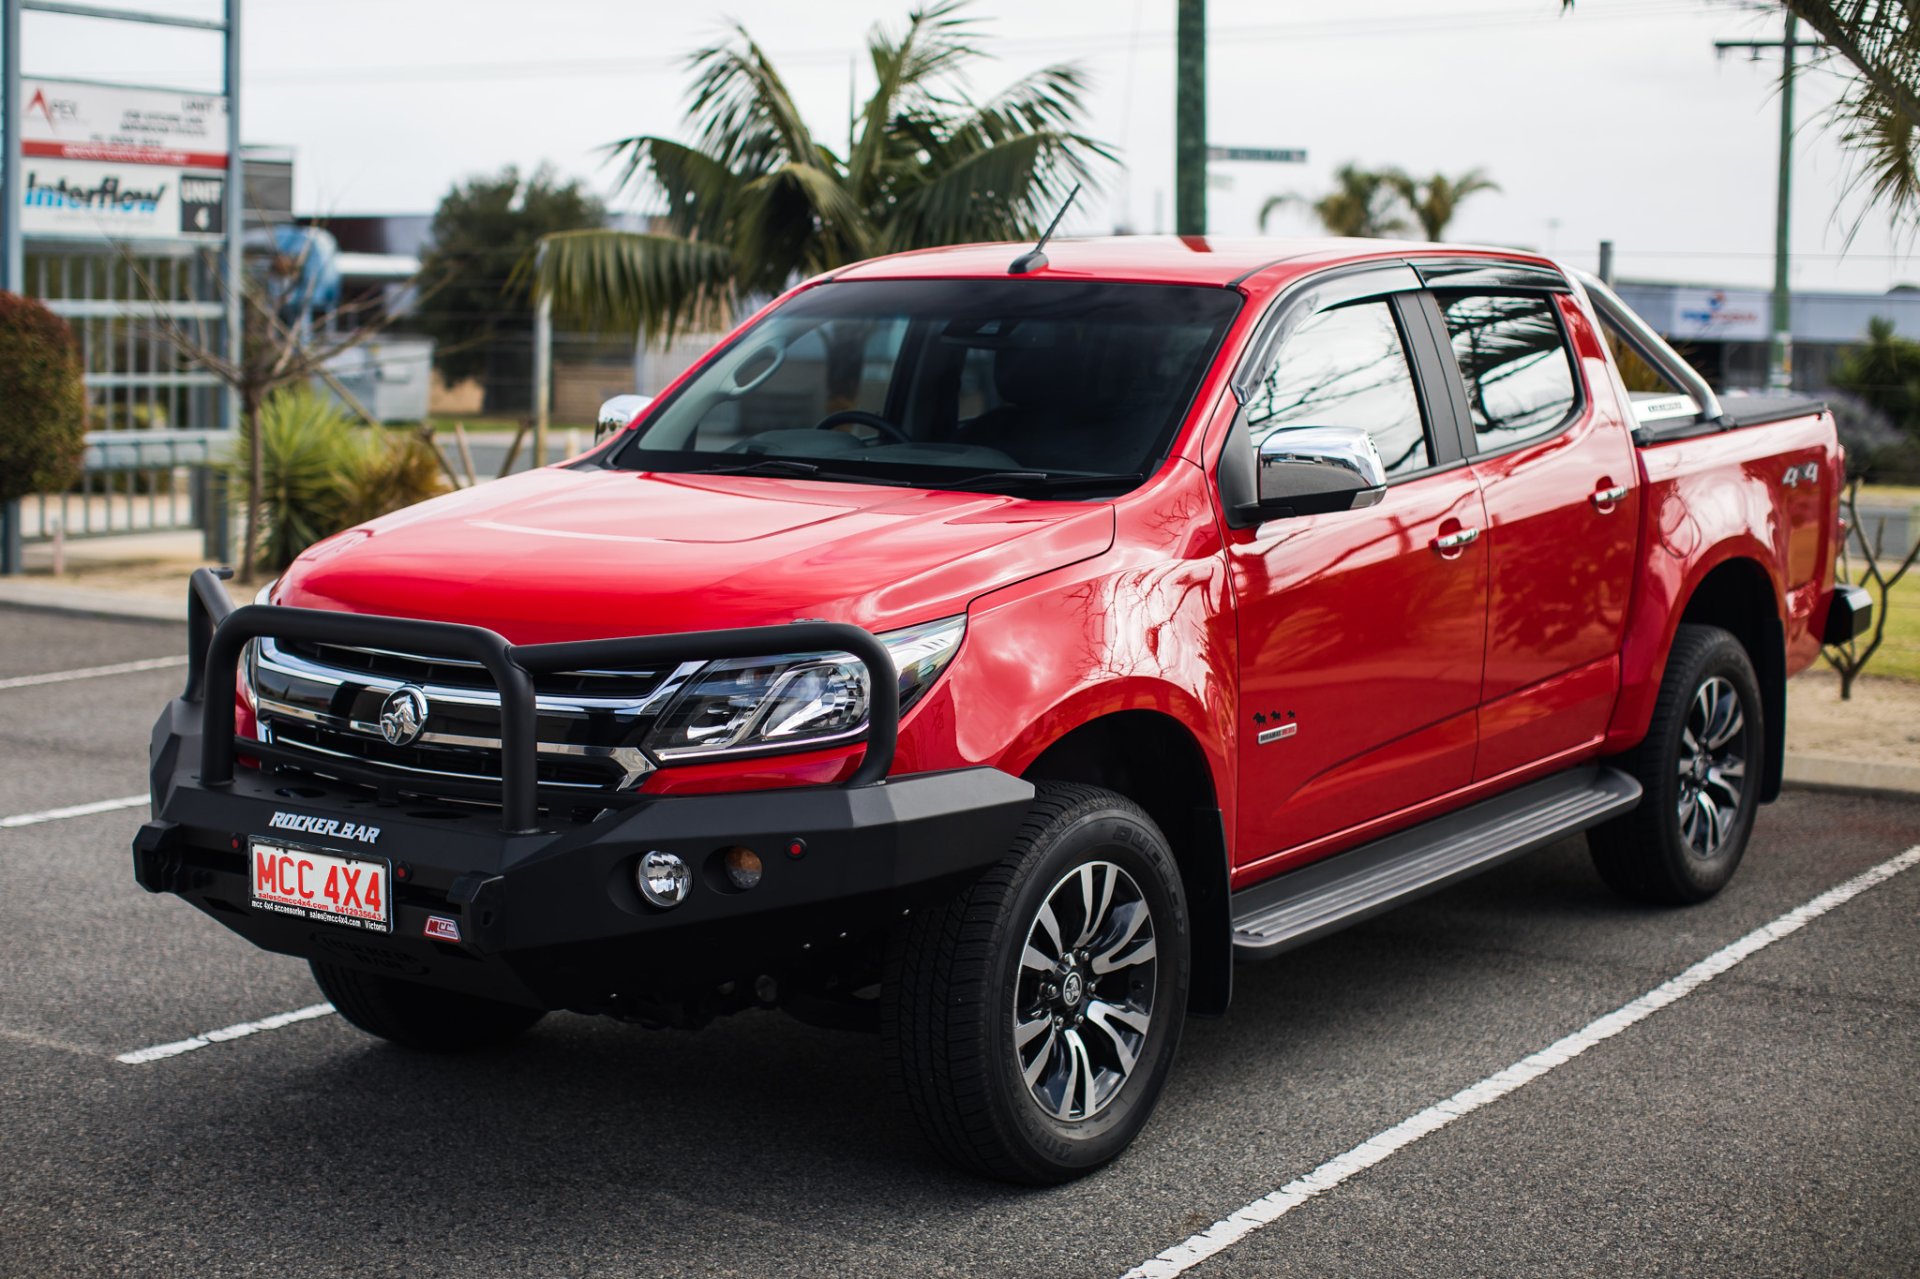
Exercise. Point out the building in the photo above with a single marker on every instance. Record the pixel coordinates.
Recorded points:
(1725, 332)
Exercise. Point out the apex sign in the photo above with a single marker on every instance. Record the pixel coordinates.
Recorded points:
(71, 120)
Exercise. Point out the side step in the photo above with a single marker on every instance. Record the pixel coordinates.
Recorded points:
(1294, 908)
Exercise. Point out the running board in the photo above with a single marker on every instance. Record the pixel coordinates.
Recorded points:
(1294, 908)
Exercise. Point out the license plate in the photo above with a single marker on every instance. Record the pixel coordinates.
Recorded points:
(304, 882)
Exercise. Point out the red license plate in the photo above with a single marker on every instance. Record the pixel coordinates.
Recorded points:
(309, 884)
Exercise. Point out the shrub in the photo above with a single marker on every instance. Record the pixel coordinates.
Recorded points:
(43, 400)
(385, 471)
(323, 472)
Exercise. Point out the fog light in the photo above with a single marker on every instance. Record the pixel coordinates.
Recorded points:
(664, 879)
(743, 868)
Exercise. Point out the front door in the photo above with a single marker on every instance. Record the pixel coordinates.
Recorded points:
(1361, 632)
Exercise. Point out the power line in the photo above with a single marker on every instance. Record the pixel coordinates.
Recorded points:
(1416, 22)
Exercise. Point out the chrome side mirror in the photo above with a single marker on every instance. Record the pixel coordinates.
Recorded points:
(1315, 469)
(616, 413)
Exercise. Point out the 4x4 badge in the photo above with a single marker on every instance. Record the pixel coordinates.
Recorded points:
(403, 715)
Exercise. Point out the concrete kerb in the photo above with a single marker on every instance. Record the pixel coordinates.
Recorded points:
(16, 593)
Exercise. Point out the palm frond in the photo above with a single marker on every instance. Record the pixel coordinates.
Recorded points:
(1274, 203)
(697, 188)
(798, 218)
(660, 285)
(914, 74)
(1000, 191)
(1052, 98)
(743, 115)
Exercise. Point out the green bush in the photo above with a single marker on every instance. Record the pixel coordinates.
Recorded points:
(43, 400)
(323, 472)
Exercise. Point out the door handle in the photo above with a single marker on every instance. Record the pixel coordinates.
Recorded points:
(1454, 541)
(1605, 499)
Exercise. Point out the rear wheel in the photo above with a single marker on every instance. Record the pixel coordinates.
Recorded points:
(417, 1016)
(1033, 1018)
(1699, 766)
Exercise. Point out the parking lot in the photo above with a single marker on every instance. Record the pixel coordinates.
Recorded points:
(1766, 1121)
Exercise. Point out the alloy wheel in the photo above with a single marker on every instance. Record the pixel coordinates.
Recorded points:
(1713, 767)
(1083, 1001)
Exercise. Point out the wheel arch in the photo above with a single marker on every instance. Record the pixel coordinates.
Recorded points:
(1153, 759)
(1737, 595)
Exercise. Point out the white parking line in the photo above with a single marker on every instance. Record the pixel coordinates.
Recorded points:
(77, 810)
(93, 672)
(141, 1055)
(1265, 1211)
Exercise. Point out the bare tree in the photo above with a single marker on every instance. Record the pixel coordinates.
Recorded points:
(274, 353)
(1851, 658)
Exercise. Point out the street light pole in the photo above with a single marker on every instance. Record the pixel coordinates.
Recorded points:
(1190, 119)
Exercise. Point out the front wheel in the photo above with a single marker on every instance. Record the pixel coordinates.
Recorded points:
(1033, 1017)
(1699, 767)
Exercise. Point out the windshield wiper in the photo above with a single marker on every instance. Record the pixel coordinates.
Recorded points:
(792, 466)
(1044, 481)
(765, 465)
(983, 481)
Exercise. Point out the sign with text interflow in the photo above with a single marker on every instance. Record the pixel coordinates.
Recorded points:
(123, 163)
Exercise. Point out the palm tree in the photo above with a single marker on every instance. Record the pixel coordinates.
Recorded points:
(756, 200)
(1360, 204)
(1878, 115)
(1435, 200)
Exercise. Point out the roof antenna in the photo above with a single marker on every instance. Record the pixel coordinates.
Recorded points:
(1035, 258)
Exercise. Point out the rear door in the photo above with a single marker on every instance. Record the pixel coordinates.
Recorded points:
(1558, 474)
(1361, 632)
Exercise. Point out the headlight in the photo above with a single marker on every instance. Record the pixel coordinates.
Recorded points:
(798, 699)
(249, 652)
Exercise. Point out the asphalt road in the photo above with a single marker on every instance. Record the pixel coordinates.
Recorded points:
(1766, 1124)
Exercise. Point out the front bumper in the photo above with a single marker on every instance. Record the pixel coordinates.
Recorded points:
(547, 910)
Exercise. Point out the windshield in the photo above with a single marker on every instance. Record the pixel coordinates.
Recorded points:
(1001, 385)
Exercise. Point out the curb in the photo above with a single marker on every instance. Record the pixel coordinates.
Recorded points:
(1850, 776)
(72, 599)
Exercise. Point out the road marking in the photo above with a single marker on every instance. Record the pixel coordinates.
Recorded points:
(93, 672)
(142, 1055)
(77, 810)
(1230, 1230)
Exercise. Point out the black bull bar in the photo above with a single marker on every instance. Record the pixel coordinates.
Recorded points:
(217, 632)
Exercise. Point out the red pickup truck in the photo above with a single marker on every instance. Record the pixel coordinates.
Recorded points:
(991, 650)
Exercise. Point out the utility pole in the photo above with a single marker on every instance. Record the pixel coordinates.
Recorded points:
(1780, 363)
(1190, 119)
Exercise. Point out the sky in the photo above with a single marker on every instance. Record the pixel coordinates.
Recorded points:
(1617, 121)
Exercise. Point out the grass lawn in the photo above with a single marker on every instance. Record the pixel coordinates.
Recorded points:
(1889, 495)
(1899, 654)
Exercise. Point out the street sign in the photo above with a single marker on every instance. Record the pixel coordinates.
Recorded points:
(1260, 155)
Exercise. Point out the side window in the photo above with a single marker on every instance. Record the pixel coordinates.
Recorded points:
(1346, 367)
(1513, 357)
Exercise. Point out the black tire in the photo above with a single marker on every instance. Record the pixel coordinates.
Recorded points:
(416, 1016)
(956, 986)
(1657, 853)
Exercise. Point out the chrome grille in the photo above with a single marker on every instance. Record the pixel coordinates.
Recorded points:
(452, 672)
(324, 701)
